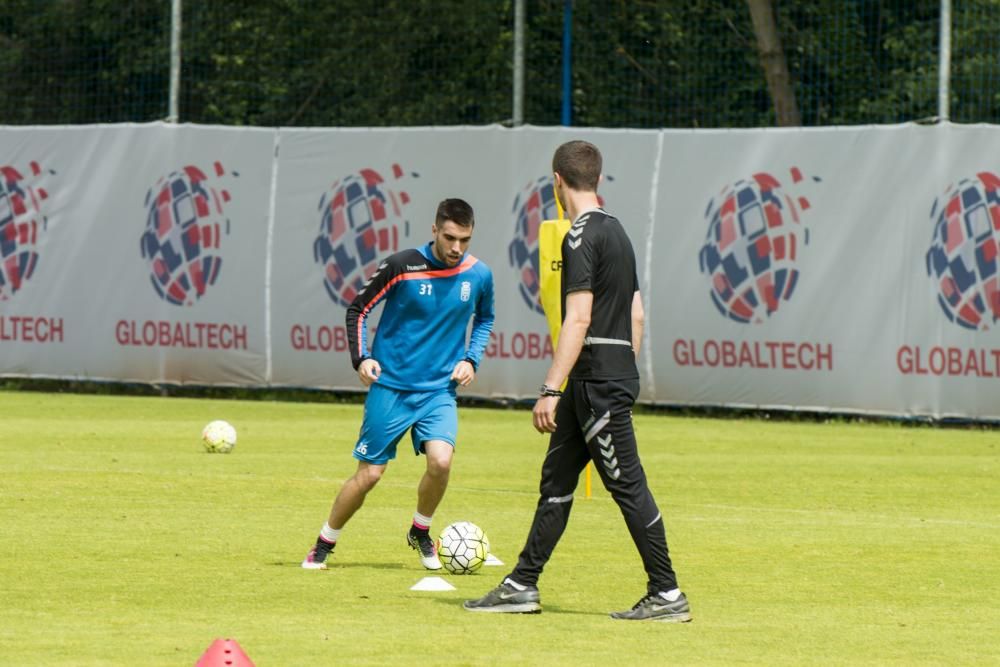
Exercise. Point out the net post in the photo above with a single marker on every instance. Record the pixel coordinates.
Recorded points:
(175, 62)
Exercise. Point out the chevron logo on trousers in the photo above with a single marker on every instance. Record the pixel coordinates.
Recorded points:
(610, 461)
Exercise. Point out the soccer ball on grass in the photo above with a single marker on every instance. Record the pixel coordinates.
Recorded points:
(219, 437)
(463, 547)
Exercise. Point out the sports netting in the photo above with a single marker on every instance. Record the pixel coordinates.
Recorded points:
(634, 63)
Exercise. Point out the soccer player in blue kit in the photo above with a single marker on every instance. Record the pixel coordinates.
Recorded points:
(420, 356)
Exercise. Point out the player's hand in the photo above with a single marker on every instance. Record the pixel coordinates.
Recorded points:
(464, 373)
(544, 414)
(369, 371)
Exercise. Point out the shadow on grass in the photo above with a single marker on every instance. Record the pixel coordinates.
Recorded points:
(344, 566)
(456, 601)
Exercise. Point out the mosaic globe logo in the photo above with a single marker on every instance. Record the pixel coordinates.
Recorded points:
(361, 222)
(755, 236)
(185, 225)
(536, 202)
(22, 220)
(963, 258)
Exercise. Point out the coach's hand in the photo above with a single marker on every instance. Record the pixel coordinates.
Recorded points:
(464, 373)
(544, 414)
(368, 371)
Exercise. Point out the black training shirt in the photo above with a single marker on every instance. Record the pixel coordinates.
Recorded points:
(598, 257)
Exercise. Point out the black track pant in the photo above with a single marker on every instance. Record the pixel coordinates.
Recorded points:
(594, 423)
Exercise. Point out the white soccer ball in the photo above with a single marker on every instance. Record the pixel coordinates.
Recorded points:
(219, 437)
(463, 547)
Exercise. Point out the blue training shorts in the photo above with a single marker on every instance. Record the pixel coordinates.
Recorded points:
(431, 415)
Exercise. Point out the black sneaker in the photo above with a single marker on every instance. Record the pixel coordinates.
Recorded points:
(655, 607)
(422, 542)
(506, 598)
(316, 558)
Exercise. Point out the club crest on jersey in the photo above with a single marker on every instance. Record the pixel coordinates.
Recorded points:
(466, 290)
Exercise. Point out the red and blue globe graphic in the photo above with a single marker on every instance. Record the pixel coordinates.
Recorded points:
(185, 225)
(963, 256)
(362, 221)
(754, 241)
(22, 221)
(536, 202)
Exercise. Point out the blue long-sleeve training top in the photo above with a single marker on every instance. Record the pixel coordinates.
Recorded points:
(422, 332)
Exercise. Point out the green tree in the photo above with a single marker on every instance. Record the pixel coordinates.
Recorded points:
(392, 63)
(773, 62)
(66, 61)
(635, 63)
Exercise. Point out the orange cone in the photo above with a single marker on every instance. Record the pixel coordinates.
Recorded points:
(224, 653)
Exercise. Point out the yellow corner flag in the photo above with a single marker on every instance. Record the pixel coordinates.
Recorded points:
(550, 238)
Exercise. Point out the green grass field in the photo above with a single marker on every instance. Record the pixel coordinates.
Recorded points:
(123, 543)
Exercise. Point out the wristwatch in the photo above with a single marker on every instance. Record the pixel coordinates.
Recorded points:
(546, 390)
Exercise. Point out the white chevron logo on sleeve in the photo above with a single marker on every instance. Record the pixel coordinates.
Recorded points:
(574, 244)
(574, 232)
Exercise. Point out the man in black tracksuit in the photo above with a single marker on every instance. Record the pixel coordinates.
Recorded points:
(592, 419)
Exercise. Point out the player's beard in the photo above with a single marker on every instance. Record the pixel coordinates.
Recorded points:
(445, 257)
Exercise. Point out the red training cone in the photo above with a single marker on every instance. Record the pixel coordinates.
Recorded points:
(224, 653)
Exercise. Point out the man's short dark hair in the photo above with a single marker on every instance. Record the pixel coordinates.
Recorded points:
(579, 163)
(457, 210)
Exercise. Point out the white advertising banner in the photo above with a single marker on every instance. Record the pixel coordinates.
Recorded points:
(848, 269)
(841, 269)
(134, 253)
(348, 198)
